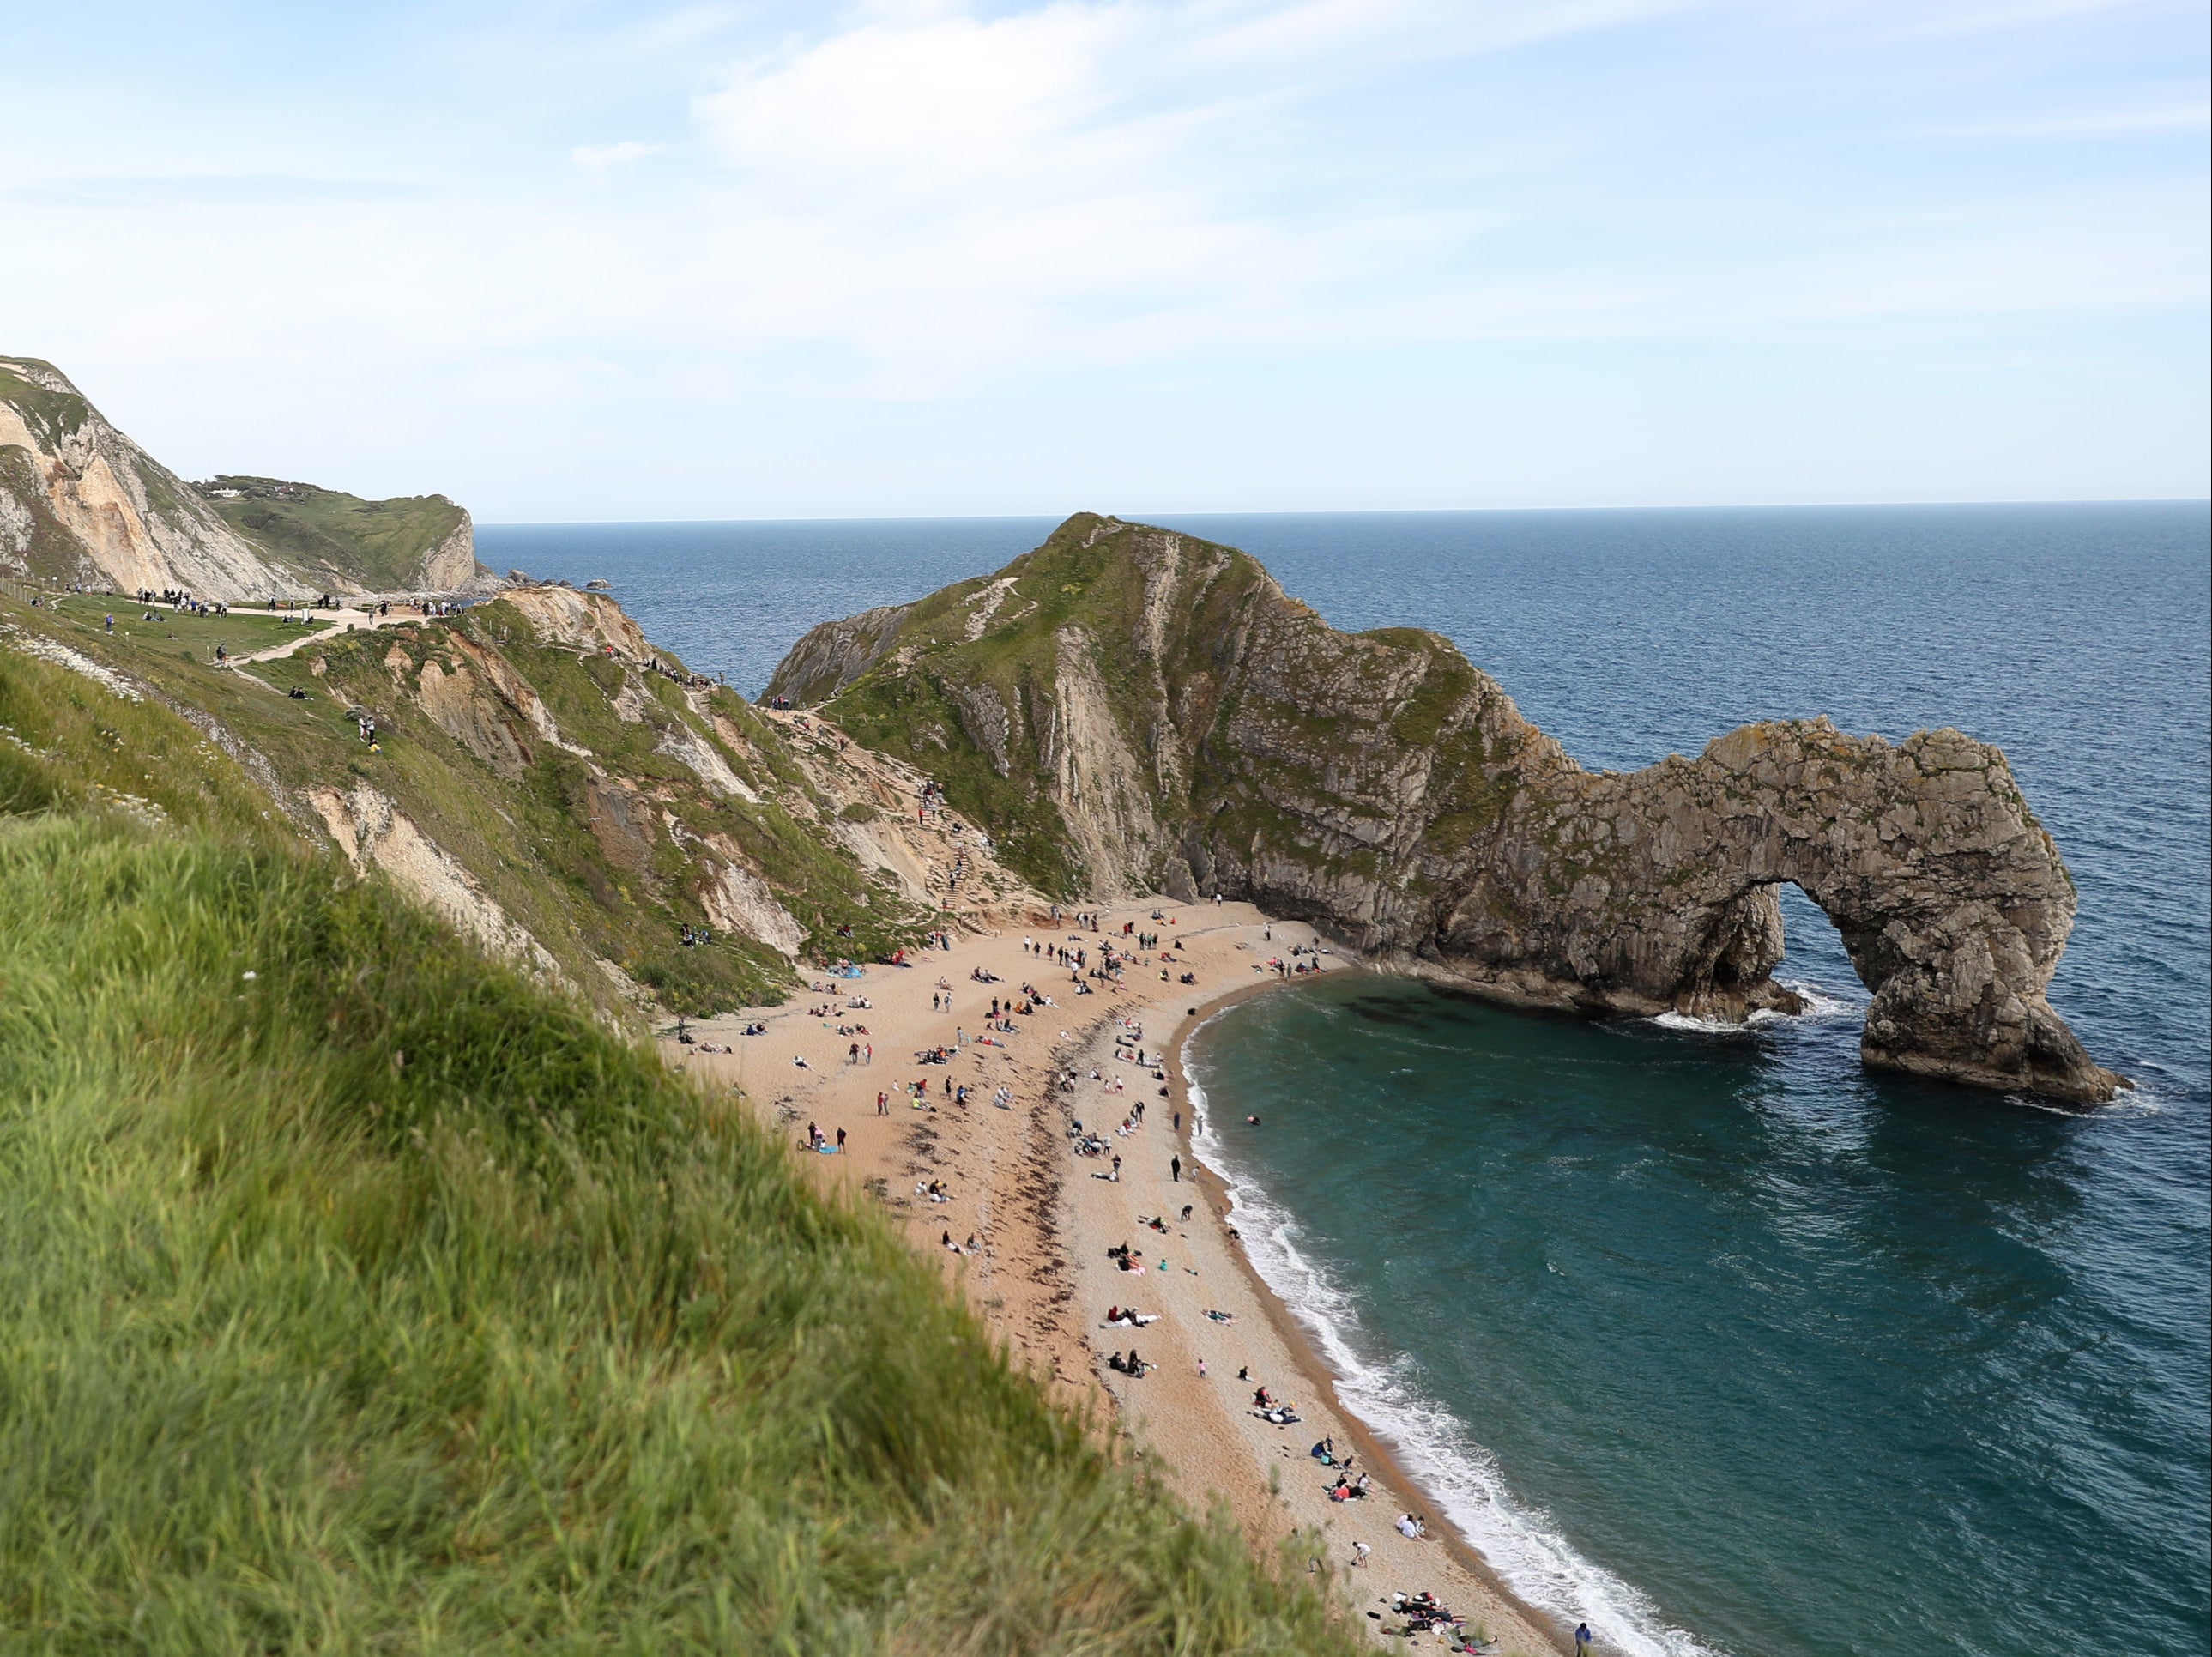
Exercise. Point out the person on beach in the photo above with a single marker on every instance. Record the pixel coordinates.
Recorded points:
(1175, 1167)
(1360, 1553)
(1582, 1638)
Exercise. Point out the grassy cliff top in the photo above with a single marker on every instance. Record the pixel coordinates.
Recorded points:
(379, 543)
(600, 844)
(43, 396)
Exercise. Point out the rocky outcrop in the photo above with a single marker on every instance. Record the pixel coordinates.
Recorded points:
(1145, 711)
(371, 830)
(836, 653)
(453, 567)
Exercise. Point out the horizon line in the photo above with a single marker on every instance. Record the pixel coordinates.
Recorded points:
(1354, 511)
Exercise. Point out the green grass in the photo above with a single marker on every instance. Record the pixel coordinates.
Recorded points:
(381, 1301)
(173, 632)
(585, 893)
(379, 543)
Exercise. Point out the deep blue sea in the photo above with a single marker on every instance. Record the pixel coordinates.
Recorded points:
(1706, 1335)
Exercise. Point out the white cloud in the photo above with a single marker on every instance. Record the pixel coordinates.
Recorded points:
(919, 201)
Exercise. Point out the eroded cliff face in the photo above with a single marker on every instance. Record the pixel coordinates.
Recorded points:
(572, 799)
(80, 502)
(1128, 708)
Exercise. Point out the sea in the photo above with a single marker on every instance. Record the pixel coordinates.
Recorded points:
(1704, 1334)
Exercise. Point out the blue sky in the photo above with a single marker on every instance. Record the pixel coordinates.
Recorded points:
(597, 261)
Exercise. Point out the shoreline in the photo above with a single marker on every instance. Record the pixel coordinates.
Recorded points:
(1024, 1224)
(1305, 1354)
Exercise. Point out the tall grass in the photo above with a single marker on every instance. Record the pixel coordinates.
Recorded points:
(355, 1294)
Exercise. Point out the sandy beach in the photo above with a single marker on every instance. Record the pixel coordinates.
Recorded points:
(1022, 1223)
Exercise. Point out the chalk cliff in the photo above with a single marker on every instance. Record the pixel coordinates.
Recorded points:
(411, 544)
(1129, 708)
(81, 502)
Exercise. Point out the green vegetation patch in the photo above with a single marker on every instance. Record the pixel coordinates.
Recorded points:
(379, 543)
(53, 415)
(357, 1294)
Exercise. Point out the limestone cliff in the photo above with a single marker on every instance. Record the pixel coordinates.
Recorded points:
(80, 502)
(1130, 708)
(411, 544)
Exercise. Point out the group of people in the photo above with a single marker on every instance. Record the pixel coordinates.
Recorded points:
(179, 600)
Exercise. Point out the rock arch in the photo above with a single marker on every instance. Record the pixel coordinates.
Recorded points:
(1950, 898)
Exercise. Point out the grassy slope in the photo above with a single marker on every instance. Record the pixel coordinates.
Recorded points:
(380, 544)
(1267, 811)
(907, 708)
(381, 1300)
(528, 838)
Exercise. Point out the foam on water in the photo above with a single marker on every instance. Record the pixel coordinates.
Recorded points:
(1529, 1556)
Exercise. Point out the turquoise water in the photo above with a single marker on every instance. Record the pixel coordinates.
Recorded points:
(1715, 1340)
(1708, 1335)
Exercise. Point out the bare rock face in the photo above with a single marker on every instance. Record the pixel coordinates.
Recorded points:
(80, 502)
(1143, 711)
(836, 653)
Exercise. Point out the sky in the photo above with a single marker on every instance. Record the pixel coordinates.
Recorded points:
(577, 261)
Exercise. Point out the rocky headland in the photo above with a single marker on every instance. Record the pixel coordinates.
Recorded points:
(82, 504)
(1128, 708)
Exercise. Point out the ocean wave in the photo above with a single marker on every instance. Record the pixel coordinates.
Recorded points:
(1821, 1002)
(1683, 1020)
(1824, 1002)
(1436, 1446)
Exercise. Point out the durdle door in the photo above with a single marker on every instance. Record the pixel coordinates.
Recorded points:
(1129, 709)
(1658, 890)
